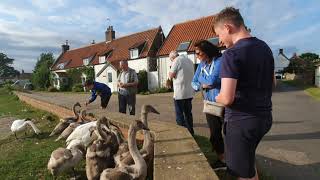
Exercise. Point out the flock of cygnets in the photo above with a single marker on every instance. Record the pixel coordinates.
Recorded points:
(107, 154)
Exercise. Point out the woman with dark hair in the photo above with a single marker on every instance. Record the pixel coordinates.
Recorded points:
(207, 78)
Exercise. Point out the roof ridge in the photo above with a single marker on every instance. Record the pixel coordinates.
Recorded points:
(191, 20)
(85, 46)
(136, 33)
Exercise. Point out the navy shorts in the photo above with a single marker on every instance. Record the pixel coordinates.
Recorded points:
(241, 140)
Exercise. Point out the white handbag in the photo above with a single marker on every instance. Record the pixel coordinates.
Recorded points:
(212, 108)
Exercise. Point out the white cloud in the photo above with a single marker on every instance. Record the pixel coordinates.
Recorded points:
(48, 5)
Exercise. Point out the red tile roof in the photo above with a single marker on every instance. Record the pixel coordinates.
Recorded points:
(192, 30)
(119, 47)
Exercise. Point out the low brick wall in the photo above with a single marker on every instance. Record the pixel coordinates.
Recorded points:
(177, 155)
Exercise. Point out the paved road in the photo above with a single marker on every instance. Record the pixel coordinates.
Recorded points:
(289, 151)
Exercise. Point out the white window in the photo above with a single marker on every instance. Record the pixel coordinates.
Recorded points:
(60, 66)
(102, 59)
(86, 61)
(134, 53)
(109, 77)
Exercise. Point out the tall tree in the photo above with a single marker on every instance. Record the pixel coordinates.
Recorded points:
(6, 70)
(312, 57)
(41, 73)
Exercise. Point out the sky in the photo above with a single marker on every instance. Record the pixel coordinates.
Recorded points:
(31, 27)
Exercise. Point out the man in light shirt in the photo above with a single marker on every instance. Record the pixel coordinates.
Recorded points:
(127, 84)
(181, 72)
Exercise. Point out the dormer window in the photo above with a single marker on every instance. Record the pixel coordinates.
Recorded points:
(184, 46)
(214, 41)
(63, 65)
(136, 49)
(134, 53)
(86, 61)
(102, 59)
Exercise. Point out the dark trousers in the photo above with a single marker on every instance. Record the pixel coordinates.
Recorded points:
(105, 100)
(184, 113)
(216, 139)
(127, 100)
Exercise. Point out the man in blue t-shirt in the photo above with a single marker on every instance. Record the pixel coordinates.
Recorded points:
(98, 89)
(247, 71)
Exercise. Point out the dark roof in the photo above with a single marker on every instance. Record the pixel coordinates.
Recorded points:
(192, 30)
(119, 47)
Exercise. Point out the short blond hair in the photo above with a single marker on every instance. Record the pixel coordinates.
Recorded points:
(230, 15)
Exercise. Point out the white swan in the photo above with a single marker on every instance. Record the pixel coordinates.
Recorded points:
(62, 159)
(136, 171)
(82, 134)
(20, 125)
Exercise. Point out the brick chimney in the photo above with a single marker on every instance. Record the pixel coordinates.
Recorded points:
(280, 51)
(65, 47)
(110, 34)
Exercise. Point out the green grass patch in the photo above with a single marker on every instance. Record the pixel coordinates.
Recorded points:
(309, 89)
(27, 157)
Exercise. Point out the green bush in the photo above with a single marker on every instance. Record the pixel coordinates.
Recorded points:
(65, 87)
(77, 88)
(163, 90)
(52, 89)
(143, 81)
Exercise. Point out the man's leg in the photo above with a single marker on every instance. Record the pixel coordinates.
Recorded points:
(105, 101)
(122, 103)
(132, 104)
(178, 104)
(187, 109)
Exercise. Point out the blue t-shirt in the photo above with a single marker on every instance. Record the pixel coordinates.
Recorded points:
(100, 88)
(251, 62)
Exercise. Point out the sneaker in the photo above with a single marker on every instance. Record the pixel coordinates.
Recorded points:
(219, 165)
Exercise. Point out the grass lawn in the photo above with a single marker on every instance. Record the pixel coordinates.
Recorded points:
(27, 157)
(309, 89)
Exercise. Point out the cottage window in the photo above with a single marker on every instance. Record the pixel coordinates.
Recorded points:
(183, 46)
(102, 59)
(134, 53)
(86, 61)
(109, 77)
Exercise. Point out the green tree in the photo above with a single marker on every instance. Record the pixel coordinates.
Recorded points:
(312, 57)
(6, 70)
(41, 73)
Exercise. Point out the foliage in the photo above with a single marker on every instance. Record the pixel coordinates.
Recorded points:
(41, 74)
(76, 73)
(304, 63)
(143, 81)
(77, 88)
(6, 70)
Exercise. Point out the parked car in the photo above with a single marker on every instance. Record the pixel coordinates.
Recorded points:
(279, 76)
(21, 84)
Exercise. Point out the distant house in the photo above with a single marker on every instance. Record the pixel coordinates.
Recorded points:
(317, 75)
(182, 38)
(139, 49)
(281, 61)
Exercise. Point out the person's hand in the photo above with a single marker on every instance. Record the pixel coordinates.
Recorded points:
(218, 98)
(206, 86)
(121, 84)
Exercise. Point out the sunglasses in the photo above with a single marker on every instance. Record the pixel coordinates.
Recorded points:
(198, 53)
